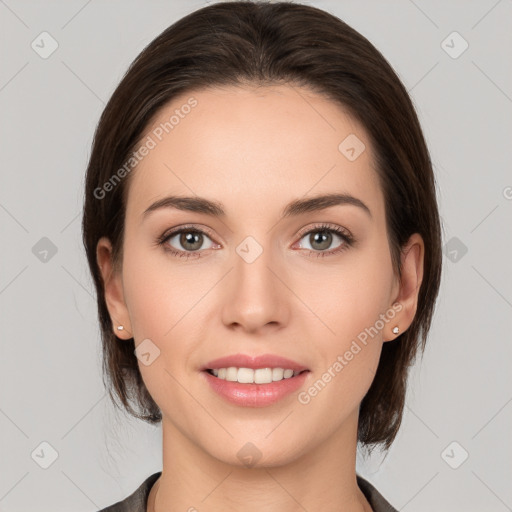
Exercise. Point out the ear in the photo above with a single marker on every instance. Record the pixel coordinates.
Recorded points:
(113, 290)
(409, 286)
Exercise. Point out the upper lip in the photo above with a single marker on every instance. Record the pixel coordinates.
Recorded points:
(254, 362)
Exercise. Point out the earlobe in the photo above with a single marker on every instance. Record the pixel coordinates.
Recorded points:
(113, 290)
(412, 260)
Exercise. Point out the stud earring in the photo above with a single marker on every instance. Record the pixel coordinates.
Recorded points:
(120, 327)
(396, 330)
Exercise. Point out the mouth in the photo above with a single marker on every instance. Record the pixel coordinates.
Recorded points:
(254, 387)
(254, 381)
(243, 375)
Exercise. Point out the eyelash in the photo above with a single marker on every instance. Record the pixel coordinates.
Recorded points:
(347, 238)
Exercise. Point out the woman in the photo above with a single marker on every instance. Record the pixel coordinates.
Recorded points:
(261, 225)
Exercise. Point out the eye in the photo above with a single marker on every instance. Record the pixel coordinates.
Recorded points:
(188, 241)
(185, 242)
(321, 238)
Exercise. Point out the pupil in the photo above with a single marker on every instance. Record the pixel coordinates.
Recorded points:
(191, 238)
(325, 236)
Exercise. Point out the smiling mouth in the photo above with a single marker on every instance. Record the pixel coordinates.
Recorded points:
(254, 376)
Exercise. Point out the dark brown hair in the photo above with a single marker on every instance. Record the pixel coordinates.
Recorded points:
(257, 43)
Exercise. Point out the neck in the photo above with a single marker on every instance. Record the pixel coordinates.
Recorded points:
(322, 479)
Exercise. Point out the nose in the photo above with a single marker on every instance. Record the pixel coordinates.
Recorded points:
(255, 297)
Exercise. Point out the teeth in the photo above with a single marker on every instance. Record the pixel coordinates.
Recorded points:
(250, 376)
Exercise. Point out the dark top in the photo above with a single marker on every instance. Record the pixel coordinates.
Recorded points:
(137, 501)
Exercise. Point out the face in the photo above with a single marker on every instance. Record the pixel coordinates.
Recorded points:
(315, 286)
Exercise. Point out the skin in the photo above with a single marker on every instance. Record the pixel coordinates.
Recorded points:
(255, 150)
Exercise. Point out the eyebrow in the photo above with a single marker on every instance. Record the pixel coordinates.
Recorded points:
(294, 208)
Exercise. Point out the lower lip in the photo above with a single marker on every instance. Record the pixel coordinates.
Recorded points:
(255, 395)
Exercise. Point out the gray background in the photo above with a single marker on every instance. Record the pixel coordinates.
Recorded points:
(51, 389)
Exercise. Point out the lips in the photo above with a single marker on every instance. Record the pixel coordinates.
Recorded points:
(254, 362)
(254, 395)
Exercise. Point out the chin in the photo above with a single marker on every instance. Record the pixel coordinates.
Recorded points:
(256, 454)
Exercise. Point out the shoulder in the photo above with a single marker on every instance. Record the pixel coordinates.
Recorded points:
(135, 502)
(374, 497)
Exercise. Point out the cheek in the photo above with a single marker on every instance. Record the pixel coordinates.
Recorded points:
(164, 302)
(349, 360)
(357, 293)
(158, 292)
(158, 302)
(354, 308)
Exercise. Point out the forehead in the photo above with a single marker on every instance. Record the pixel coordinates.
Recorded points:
(254, 148)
